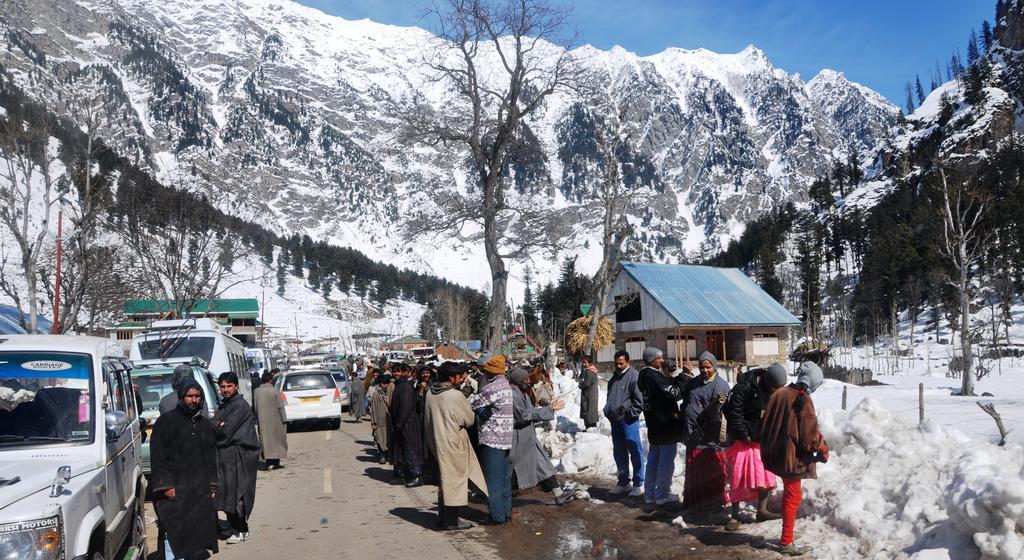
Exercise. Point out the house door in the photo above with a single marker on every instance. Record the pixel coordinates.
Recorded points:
(715, 342)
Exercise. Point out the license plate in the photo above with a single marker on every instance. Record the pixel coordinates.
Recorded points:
(309, 399)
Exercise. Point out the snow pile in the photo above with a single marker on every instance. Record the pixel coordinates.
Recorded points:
(926, 492)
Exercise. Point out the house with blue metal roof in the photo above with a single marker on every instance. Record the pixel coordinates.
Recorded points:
(687, 309)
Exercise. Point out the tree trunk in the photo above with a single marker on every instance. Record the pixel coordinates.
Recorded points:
(967, 388)
(499, 287)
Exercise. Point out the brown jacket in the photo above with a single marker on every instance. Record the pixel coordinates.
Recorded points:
(790, 436)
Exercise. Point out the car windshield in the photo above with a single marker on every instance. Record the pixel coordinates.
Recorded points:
(308, 382)
(180, 346)
(153, 388)
(255, 361)
(45, 397)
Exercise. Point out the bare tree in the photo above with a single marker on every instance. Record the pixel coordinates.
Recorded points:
(502, 59)
(30, 186)
(615, 200)
(453, 313)
(83, 261)
(184, 259)
(965, 236)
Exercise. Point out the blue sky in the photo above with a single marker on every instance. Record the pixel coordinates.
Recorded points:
(878, 43)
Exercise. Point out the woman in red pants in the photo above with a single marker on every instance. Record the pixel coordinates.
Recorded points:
(791, 445)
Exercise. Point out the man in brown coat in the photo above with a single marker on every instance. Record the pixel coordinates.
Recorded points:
(791, 445)
(447, 415)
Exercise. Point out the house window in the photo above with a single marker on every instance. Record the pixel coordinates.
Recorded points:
(766, 344)
(628, 308)
(635, 347)
(681, 346)
(606, 354)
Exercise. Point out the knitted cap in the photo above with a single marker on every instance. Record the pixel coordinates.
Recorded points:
(775, 376)
(496, 365)
(651, 353)
(518, 375)
(709, 357)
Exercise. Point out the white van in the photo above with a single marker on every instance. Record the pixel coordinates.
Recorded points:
(200, 338)
(259, 359)
(71, 482)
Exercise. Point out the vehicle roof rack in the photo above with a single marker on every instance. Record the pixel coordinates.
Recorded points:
(194, 361)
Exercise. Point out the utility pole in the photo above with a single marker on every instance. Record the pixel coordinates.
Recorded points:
(56, 283)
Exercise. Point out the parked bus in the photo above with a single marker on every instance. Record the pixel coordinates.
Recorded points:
(201, 338)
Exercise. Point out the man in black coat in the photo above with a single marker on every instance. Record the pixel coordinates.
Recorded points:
(408, 429)
(238, 453)
(170, 400)
(184, 476)
(662, 394)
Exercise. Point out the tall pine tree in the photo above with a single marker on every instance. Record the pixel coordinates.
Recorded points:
(986, 36)
(918, 89)
(973, 53)
(910, 98)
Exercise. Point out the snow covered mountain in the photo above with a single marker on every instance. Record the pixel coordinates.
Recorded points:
(287, 116)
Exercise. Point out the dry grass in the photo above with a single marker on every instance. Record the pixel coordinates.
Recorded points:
(576, 334)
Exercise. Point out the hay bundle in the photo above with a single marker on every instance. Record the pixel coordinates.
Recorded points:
(576, 334)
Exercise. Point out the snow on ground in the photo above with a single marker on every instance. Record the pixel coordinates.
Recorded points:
(893, 488)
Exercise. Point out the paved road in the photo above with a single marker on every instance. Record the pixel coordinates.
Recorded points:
(332, 501)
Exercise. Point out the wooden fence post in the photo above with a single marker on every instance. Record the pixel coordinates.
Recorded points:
(920, 403)
(844, 396)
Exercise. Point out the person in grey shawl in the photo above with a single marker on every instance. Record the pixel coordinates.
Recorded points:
(238, 452)
(357, 394)
(531, 466)
(705, 395)
(380, 414)
(271, 420)
(589, 391)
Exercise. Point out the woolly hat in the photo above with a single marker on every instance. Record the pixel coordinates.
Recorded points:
(178, 377)
(518, 375)
(705, 355)
(651, 353)
(495, 365)
(775, 376)
(810, 374)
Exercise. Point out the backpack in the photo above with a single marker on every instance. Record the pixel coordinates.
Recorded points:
(711, 427)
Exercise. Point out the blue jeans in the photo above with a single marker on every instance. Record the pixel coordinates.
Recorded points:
(168, 554)
(498, 474)
(661, 465)
(626, 448)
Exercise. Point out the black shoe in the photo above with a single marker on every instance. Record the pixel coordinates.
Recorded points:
(381, 460)
(462, 525)
(414, 483)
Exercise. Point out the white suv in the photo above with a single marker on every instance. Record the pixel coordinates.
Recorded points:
(71, 484)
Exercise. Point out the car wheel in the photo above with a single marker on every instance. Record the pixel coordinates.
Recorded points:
(138, 534)
(336, 424)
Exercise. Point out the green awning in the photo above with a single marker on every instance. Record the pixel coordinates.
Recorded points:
(243, 308)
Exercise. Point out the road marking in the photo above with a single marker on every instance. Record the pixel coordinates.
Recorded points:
(327, 481)
(327, 436)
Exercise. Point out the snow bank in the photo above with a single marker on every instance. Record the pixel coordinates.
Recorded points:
(918, 492)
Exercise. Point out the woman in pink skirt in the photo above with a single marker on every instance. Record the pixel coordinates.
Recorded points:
(748, 479)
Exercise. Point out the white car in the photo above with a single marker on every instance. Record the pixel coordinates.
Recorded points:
(310, 394)
(71, 484)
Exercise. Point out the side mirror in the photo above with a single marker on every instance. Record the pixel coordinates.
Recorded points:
(62, 477)
(116, 423)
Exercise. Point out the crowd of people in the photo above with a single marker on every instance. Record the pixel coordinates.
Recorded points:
(203, 464)
(738, 440)
(471, 428)
(467, 427)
